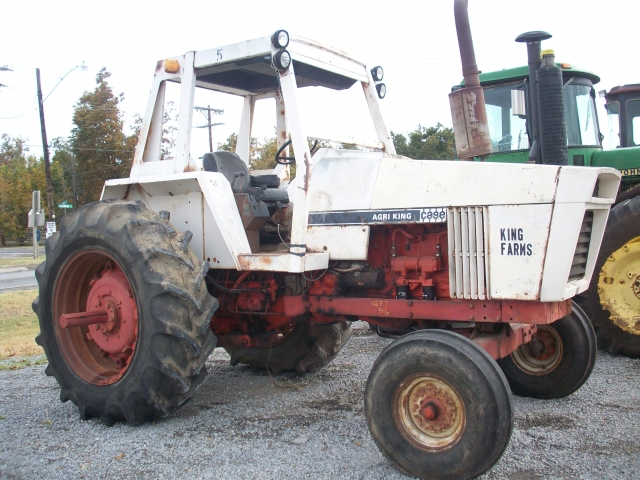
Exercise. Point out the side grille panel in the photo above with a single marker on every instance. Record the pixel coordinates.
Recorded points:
(468, 242)
(579, 263)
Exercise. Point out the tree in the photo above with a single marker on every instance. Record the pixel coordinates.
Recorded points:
(20, 174)
(65, 189)
(101, 148)
(230, 144)
(426, 143)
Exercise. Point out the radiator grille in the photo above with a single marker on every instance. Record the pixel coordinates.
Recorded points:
(579, 263)
(468, 244)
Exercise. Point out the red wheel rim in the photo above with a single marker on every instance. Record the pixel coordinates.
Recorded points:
(99, 341)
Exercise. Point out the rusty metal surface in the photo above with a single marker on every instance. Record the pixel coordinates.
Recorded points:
(468, 110)
(508, 340)
(388, 310)
(429, 413)
(92, 282)
(470, 125)
(93, 317)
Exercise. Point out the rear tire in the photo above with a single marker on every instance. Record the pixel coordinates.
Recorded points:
(564, 359)
(623, 230)
(307, 348)
(438, 406)
(161, 363)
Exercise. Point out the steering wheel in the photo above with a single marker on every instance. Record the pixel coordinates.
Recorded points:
(505, 144)
(290, 160)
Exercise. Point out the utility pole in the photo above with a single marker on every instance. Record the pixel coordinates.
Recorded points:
(209, 125)
(45, 147)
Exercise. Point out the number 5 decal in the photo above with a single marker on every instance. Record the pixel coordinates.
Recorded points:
(219, 55)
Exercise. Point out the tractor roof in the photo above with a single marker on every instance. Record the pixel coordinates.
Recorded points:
(246, 68)
(619, 90)
(520, 73)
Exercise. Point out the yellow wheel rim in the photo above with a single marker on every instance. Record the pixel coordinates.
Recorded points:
(619, 286)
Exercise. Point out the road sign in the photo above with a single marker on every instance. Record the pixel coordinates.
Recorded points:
(37, 234)
(64, 205)
(51, 229)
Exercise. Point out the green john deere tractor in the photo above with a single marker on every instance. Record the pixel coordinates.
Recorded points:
(613, 298)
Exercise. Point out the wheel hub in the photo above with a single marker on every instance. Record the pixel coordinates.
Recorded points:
(619, 286)
(429, 412)
(112, 294)
(541, 355)
(97, 317)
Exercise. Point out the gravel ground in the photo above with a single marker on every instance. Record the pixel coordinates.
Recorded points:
(241, 425)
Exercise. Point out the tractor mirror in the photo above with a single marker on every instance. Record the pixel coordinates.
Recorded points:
(518, 106)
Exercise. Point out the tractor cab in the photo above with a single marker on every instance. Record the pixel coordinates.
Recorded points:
(505, 92)
(272, 206)
(623, 112)
(267, 68)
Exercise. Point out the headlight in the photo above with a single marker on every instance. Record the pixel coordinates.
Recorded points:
(282, 60)
(280, 39)
(382, 90)
(377, 73)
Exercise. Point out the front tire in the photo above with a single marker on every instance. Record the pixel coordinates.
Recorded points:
(438, 406)
(131, 268)
(557, 362)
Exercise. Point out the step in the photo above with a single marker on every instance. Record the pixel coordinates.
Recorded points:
(283, 262)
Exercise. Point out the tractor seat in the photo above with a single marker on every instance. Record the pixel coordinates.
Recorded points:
(263, 187)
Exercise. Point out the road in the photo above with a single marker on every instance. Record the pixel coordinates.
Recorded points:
(16, 252)
(17, 278)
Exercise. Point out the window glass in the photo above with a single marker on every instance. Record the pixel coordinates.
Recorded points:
(633, 122)
(613, 125)
(580, 115)
(508, 132)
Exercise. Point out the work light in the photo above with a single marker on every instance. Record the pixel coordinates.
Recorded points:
(377, 73)
(382, 90)
(280, 39)
(282, 60)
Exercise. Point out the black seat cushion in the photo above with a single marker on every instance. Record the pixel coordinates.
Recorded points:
(230, 165)
(262, 187)
(269, 181)
(273, 195)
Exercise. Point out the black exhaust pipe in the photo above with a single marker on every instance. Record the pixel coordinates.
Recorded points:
(546, 112)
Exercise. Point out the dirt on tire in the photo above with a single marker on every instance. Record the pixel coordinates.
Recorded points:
(174, 309)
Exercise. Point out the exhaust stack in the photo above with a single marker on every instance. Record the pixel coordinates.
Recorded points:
(468, 111)
(546, 117)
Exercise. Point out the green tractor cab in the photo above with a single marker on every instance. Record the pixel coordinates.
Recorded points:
(613, 298)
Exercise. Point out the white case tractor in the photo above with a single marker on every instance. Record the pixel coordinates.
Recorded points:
(471, 265)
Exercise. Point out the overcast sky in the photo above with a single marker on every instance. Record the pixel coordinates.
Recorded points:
(414, 41)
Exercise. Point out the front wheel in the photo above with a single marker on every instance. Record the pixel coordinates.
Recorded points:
(556, 362)
(438, 406)
(124, 313)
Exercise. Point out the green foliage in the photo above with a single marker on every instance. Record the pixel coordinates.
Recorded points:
(20, 174)
(230, 144)
(263, 156)
(426, 143)
(63, 185)
(101, 148)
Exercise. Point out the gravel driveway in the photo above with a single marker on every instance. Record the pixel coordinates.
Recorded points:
(241, 424)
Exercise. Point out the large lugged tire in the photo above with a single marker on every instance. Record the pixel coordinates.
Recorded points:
(135, 274)
(307, 348)
(438, 406)
(613, 298)
(557, 363)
